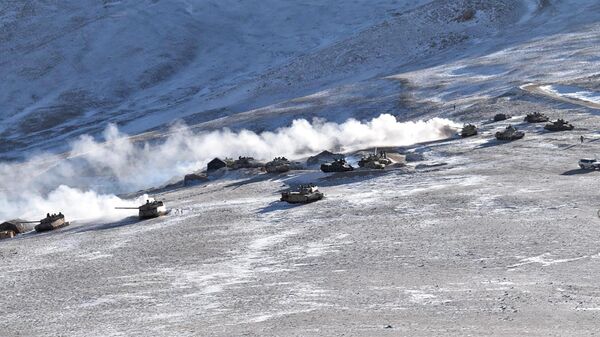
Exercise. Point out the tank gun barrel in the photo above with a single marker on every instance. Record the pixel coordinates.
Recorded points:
(126, 207)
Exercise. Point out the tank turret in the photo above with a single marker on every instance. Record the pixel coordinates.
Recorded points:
(304, 194)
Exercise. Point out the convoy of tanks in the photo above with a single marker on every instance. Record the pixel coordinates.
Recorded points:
(511, 133)
(305, 193)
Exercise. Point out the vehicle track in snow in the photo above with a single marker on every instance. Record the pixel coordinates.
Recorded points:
(538, 89)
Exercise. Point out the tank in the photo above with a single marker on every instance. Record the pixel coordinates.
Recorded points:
(468, 131)
(375, 161)
(373, 165)
(559, 125)
(152, 209)
(51, 222)
(536, 117)
(18, 226)
(149, 210)
(501, 117)
(243, 162)
(338, 165)
(304, 194)
(510, 133)
(278, 165)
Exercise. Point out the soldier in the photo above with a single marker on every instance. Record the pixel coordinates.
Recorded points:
(581, 138)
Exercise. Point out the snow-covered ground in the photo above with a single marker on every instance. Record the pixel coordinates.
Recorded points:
(478, 238)
(500, 240)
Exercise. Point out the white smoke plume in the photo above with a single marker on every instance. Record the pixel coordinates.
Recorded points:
(82, 184)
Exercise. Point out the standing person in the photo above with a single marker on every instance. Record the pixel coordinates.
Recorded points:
(581, 138)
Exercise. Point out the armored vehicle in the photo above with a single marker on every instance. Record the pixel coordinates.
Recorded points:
(501, 117)
(278, 165)
(338, 165)
(151, 209)
(536, 117)
(244, 162)
(51, 222)
(510, 133)
(559, 125)
(17, 226)
(371, 164)
(468, 131)
(375, 161)
(305, 194)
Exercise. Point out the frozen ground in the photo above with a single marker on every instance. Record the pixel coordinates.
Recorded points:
(480, 238)
(501, 240)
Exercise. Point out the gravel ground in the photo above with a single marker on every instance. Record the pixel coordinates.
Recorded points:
(499, 240)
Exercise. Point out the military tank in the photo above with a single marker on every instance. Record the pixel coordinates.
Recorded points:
(376, 161)
(510, 133)
(304, 194)
(338, 165)
(149, 210)
(278, 165)
(559, 125)
(18, 226)
(536, 117)
(468, 130)
(51, 222)
(501, 117)
(242, 163)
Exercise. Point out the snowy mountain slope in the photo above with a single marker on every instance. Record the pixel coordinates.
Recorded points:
(219, 62)
(71, 66)
(555, 44)
(546, 41)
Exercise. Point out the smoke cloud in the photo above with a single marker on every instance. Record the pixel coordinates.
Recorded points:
(84, 183)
